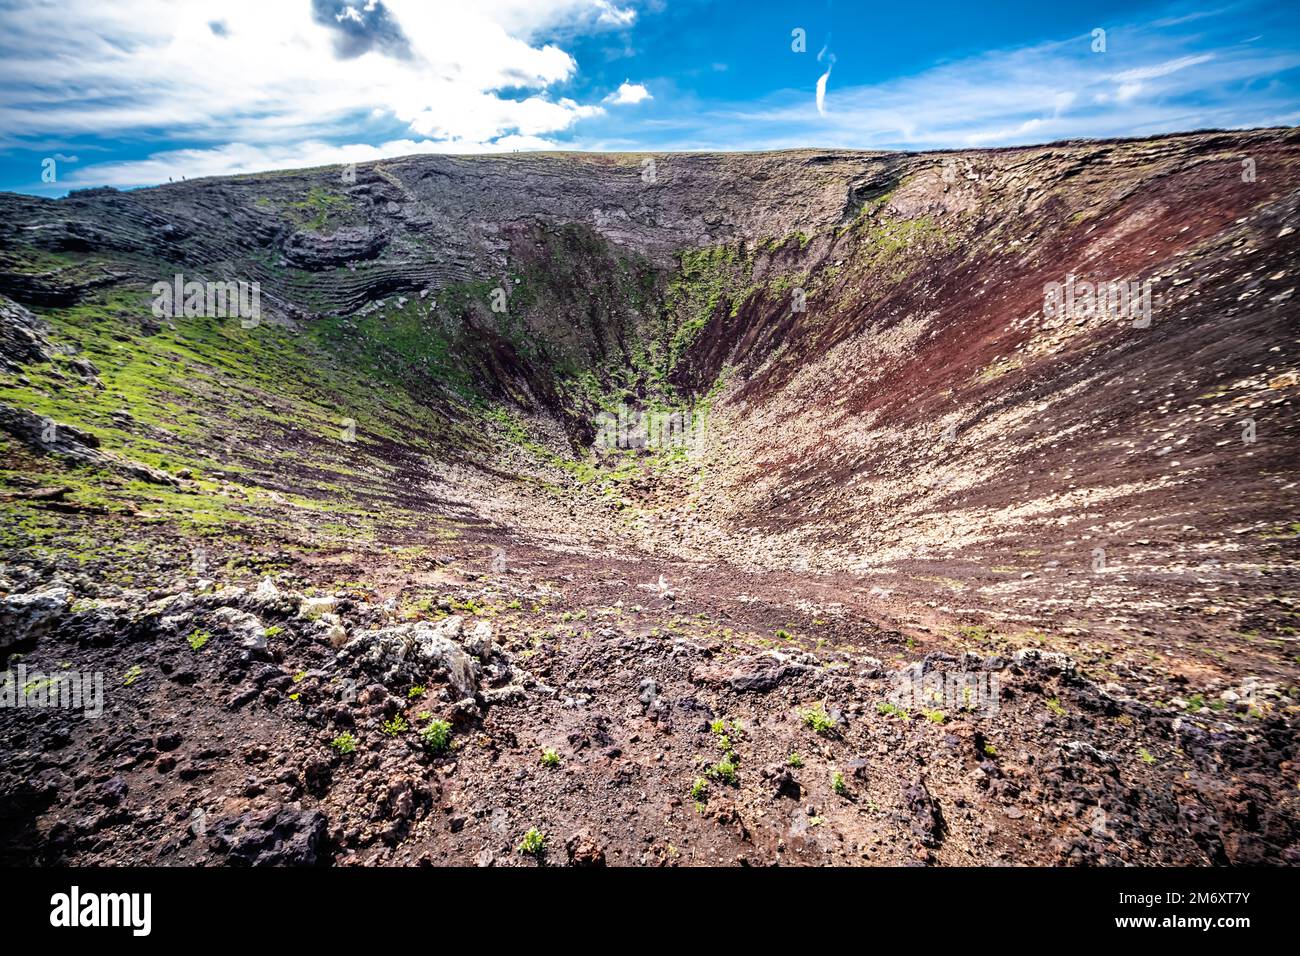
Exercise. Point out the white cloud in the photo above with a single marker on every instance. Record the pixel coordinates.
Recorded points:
(1055, 90)
(629, 94)
(235, 158)
(1162, 69)
(273, 71)
(823, 79)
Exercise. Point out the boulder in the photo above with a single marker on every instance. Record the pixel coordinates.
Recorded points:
(408, 654)
(31, 615)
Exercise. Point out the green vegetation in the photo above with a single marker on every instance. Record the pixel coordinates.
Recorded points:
(724, 770)
(344, 743)
(887, 709)
(436, 736)
(1054, 705)
(198, 639)
(550, 758)
(794, 760)
(397, 725)
(132, 675)
(817, 718)
(838, 784)
(700, 788)
(533, 843)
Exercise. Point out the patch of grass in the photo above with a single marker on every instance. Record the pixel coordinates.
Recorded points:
(1145, 756)
(533, 843)
(1054, 705)
(344, 743)
(416, 691)
(934, 716)
(885, 708)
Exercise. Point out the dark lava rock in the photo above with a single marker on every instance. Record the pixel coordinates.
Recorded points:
(759, 674)
(284, 835)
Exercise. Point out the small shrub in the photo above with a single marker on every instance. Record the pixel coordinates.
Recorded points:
(1055, 707)
(416, 691)
(437, 736)
(700, 788)
(533, 843)
(1145, 756)
(344, 743)
(794, 760)
(887, 709)
(724, 770)
(132, 675)
(718, 727)
(197, 639)
(550, 758)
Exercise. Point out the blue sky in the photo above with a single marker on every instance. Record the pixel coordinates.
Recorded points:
(138, 92)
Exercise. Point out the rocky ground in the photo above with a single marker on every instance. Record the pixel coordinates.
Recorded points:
(944, 581)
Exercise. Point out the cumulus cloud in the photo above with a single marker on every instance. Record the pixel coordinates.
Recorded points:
(629, 94)
(267, 73)
(361, 29)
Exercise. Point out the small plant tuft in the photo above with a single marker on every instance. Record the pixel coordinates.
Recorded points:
(818, 720)
(344, 743)
(533, 843)
(397, 725)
